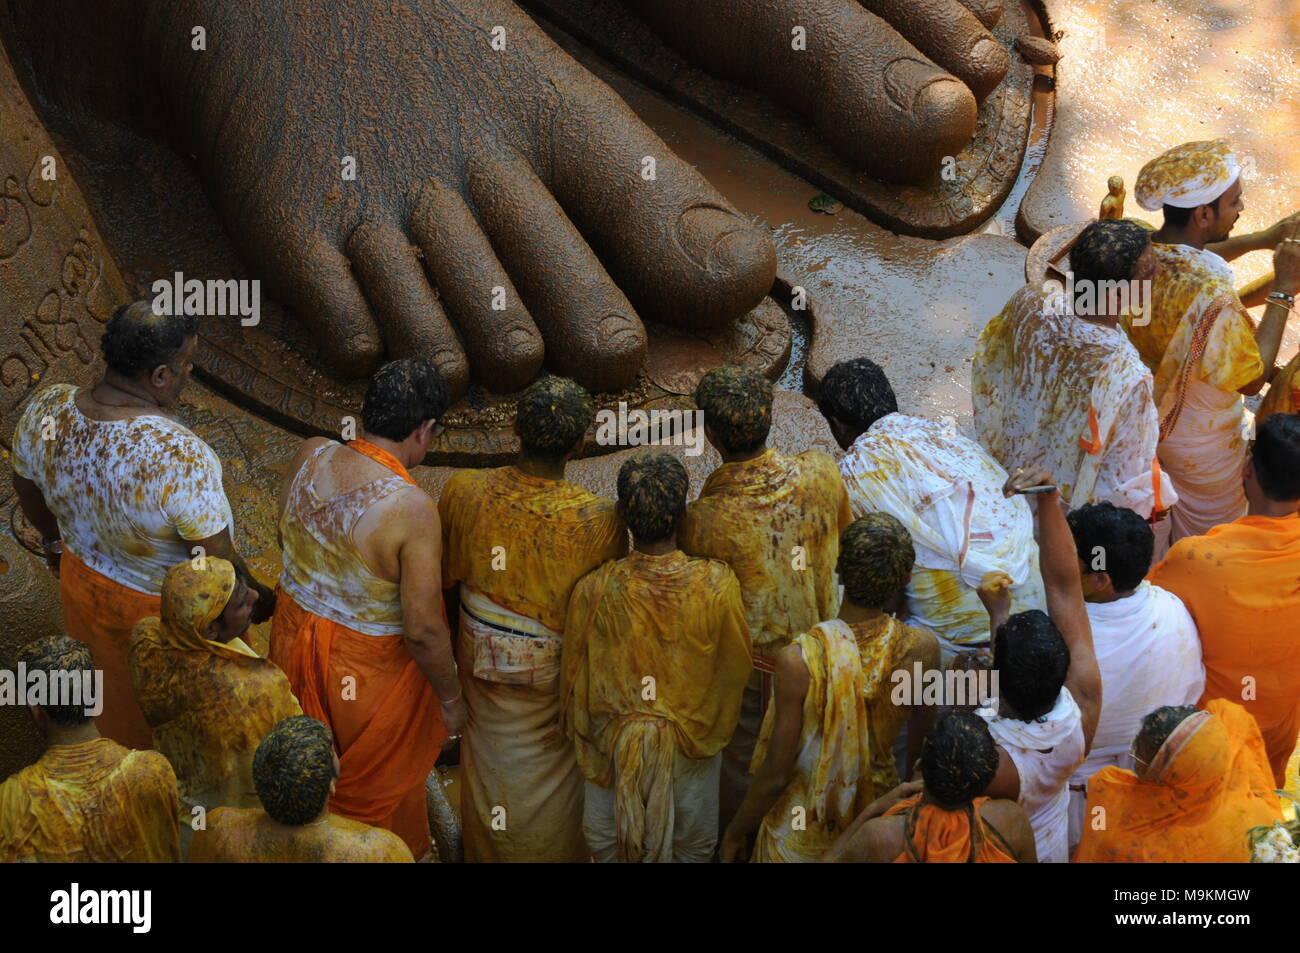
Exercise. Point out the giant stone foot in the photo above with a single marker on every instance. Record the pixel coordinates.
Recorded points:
(892, 84)
(427, 176)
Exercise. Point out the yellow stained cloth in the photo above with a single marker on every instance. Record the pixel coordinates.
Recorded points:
(1188, 175)
(250, 836)
(209, 704)
(1072, 396)
(656, 657)
(832, 781)
(776, 521)
(521, 542)
(93, 802)
(1203, 453)
(550, 532)
(849, 701)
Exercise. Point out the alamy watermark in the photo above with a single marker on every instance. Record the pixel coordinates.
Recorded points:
(656, 426)
(220, 298)
(954, 688)
(1105, 298)
(60, 689)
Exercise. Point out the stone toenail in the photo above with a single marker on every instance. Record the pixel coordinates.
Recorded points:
(701, 228)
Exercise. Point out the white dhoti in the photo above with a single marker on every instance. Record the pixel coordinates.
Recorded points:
(1204, 456)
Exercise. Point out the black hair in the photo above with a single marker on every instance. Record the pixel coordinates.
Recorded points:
(293, 768)
(552, 415)
(62, 660)
(402, 395)
(136, 340)
(856, 392)
(1031, 659)
(1276, 456)
(1121, 538)
(1179, 217)
(960, 758)
(737, 405)
(1158, 726)
(876, 559)
(652, 489)
(1108, 250)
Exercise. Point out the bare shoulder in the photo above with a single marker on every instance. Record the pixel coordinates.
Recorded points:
(304, 451)
(920, 645)
(790, 665)
(879, 841)
(1010, 821)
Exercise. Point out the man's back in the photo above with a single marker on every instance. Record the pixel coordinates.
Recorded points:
(94, 802)
(947, 491)
(250, 835)
(775, 520)
(1070, 395)
(130, 495)
(550, 533)
(1239, 583)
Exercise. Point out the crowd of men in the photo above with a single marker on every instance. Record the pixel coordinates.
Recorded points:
(1106, 583)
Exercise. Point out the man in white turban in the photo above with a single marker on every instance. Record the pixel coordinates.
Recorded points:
(1200, 341)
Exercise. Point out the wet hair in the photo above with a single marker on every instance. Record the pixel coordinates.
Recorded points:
(876, 558)
(1179, 217)
(1276, 457)
(737, 405)
(960, 758)
(293, 768)
(136, 341)
(55, 654)
(1124, 538)
(1031, 659)
(552, 415)
(652, 493)
(1108, 250)
(1158, 726)
(856, 392)
(402, 395)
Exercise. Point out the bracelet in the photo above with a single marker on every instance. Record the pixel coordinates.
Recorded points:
(49, 544)
(1281, 297)
(447, 701)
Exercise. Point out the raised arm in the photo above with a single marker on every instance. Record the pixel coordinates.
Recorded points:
(1059, 563)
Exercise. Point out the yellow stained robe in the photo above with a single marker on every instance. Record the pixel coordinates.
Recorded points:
(845, 758)
(93, 802)
(776, 521)
(249, 835)
(521, 542)
(656, 656)
(1204, 451)
(209, 704)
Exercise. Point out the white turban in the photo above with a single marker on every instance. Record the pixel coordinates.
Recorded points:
(1187, 176)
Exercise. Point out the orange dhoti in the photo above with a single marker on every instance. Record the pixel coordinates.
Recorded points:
(102, 613)
(383, 713)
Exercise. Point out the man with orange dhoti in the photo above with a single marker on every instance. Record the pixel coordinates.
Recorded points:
(825, 750)
(209, 697)
(517, 539)
(942, 819)
(775, 519)
(295, 771)
(1200, 341)
(121, 492)
(360, 628)
(656, 656)
(1239, 582)
(1202, 781)
(88, 799)
(1055, 382)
